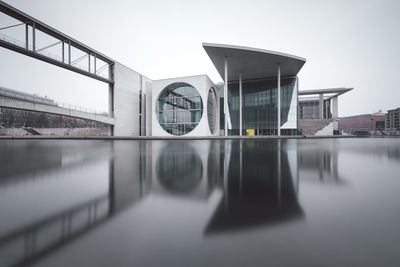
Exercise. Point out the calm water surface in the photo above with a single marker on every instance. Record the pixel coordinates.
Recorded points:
(323, 202)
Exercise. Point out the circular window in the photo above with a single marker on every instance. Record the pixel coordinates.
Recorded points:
(179, 108)
(212, 110)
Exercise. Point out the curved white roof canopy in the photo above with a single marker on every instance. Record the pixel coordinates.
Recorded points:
(252, 63)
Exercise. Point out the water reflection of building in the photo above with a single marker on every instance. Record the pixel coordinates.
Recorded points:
(184, 168)
(318, 162)
(260, 186)
(256, 181)
(111, 175)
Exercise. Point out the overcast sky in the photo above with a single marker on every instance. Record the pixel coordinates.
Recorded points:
(346, 43)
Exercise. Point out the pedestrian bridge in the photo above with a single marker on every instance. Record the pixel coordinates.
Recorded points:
(56, 110)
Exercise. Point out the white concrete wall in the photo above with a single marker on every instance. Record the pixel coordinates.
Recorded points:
(291, 122)
(328, 129)
(203, 84)
(127, 84)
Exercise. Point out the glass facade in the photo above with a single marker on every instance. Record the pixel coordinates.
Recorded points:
(260, 109)
(179, 108)
(309, 109)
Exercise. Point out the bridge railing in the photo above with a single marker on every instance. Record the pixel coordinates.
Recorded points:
(80, 108)
(21, 44)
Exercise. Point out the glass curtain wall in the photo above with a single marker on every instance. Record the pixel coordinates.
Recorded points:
(260, 106)
(309, 109)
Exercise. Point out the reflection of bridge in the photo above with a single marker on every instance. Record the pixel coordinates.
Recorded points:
(259, 187)
(30, 239)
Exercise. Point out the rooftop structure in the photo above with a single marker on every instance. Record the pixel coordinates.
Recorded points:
(252, 86)
(320, 103)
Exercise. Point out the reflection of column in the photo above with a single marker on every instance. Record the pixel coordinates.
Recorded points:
(279, 100)
(321, 106)
(240, 105)
(279, 172)
(241, 167)
(226, 96)
(335, 164)
(227, 157)
(335, 107)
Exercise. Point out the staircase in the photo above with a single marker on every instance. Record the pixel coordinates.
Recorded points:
(31, 131)
(311, 127)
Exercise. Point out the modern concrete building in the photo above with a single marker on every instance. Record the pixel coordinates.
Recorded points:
(318, 110)
(259, 97)
(392, 120)
(320, 103)
(254, 81)
(185, 106)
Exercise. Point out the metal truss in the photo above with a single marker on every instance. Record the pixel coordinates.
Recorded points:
(64, 59)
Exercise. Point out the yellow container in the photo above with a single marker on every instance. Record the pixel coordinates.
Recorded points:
(250, 132)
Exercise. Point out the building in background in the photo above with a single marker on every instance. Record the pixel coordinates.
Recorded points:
(392, 120)
(15, 121)
(320, 103)
(319, 109)
(362, 123)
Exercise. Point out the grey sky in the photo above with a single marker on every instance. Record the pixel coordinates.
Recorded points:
(346, 43)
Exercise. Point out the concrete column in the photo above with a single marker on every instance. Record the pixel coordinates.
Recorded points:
(327, 110)
(335, 107)
(279, 100)
(240, 105)
(321, 106)
(226, 97)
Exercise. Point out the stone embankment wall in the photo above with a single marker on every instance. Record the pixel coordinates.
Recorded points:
(56, 131)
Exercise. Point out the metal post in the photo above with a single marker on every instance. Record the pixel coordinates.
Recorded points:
(226, 96)
(95, 58)
(33, 37)
(240, 105)
(89, 62)
(63, 52)
(69, 52)
(279, 99)
(27, 36)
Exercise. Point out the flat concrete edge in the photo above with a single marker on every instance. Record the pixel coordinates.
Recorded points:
(41, 137)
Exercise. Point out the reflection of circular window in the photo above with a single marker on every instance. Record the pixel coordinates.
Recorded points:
(212, 110)
(179, 168)
(179, 108)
